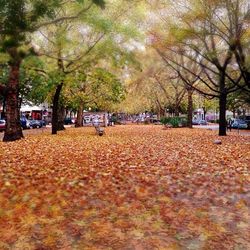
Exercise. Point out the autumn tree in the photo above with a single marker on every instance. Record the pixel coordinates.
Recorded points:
(186, 80)
(155, 89)
(206, 40)
(98, 90)
(238, 102)
(18, 20)
(77, 47)
(171, 88)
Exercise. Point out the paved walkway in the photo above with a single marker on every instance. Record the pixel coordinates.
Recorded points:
(211, 127)
(216, 127)
(31, 131)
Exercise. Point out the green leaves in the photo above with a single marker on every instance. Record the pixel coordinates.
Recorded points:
(42, 9)
(100, 3)
(98, 88)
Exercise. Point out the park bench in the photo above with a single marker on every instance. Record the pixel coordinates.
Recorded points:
(99, 130)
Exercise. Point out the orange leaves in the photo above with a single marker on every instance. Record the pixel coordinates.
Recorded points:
(141, 192)
(139, 186)
(8, 234)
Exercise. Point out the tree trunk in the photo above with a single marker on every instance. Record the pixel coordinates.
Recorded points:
(13, 129)
(234, 113)
(55, 108)
(176, 107)
(61, 116)
(161, 112)
(105, 119)
(190, 108)
(3, 116)
(244, 113)
(222, 118)
(204, 112)
(79, 120)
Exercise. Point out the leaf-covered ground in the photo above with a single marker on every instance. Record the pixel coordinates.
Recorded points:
(137, 187)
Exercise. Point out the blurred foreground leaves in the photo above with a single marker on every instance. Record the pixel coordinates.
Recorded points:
(137, 187)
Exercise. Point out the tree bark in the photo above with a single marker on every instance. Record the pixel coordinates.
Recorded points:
(61, 116)
(222, 118)
(4, 107)
(13, 129)
(234, 113)
(2, 115)
(55, 108)
(244, 113)
(190, 108)
(161, 112)
(161, 109)
(176, 106)
(204, 112)
(79, 120)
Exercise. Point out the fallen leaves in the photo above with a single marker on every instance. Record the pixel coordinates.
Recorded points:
(137, 187)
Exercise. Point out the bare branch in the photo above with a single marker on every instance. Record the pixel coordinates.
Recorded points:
(77, 67)
(162, 87)
(46, 37)
(197, 89)
(40, 71)
(195, 61)
(210, 78)
(185, 68)
(86, 52)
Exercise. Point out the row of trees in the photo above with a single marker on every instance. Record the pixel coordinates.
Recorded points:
(199, 46)
(207, 47)
(69, 53)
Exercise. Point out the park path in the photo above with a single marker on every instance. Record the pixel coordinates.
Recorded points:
(213, 127)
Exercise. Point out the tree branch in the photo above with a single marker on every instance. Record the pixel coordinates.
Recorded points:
(198, 90)
(61, 19)
(185, 68)
(162, 87)
(86, 52)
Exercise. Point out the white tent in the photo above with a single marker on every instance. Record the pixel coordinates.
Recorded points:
(27, 108)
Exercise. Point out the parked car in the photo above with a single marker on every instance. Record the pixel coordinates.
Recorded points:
(199, 122)
(154, 119)
(68, 121)
(24, 123)
(28, 124)
(2, 125)
(239, 123)
(203, 122)
(247, 120)
(195, 122)
(36, 123)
